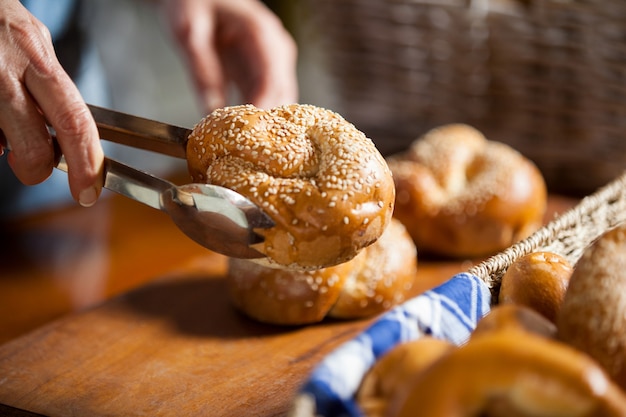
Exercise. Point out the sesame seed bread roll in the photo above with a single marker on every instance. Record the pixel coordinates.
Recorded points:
(378, 278)
(320, 179)
(537, 280)
(384, 278)
(461, 195)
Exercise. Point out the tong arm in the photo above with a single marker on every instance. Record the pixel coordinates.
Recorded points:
(141, 133)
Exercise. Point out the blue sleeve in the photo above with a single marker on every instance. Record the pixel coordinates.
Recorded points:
(56, 15)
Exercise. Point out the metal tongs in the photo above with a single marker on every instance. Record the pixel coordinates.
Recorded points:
(217, 218)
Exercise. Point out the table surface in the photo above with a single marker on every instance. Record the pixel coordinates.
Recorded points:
(111, 310)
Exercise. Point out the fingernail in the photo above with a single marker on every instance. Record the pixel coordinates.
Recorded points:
(88, 197)
(212, 101)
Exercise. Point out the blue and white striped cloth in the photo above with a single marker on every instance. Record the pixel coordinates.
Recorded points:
(448, 312)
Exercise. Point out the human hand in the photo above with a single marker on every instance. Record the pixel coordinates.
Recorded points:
(235, 40)
(34, 89)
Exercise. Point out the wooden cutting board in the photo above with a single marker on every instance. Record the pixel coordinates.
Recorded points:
(173, 348)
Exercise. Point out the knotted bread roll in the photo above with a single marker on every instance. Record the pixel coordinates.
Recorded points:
(378, 278)
(320, 179)
(461, 195)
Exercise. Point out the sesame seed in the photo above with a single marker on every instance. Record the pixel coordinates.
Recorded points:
(280, 156)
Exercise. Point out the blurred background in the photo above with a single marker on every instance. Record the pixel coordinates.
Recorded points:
(544, 76)
(148, 78)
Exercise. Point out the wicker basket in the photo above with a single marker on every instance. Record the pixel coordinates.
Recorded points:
(547, 77)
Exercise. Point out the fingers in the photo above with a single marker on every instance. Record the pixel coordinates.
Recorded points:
(23, 125)
(193, 24)
(31, 157)
(235, 40)
(76, 131)
(265, 64)
(34, 90)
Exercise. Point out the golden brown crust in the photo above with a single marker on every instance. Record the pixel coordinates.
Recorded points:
(537, 280)
(319, 178)
(378, 278)
(514, 317)
(384, 278)
(529, 374)
(461, 195)
(395, 369)
(593, 314)
(284, 296)
(508, 368)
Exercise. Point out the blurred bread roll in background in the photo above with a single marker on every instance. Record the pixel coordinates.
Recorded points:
(461, 195)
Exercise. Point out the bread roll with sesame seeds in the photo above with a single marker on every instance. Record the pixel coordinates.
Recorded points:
(383, 279)
(378, 278)
(321, 180)
(537, 280)
(461, 195)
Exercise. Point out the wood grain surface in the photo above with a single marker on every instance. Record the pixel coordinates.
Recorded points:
(116, 313)
(173, 347)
